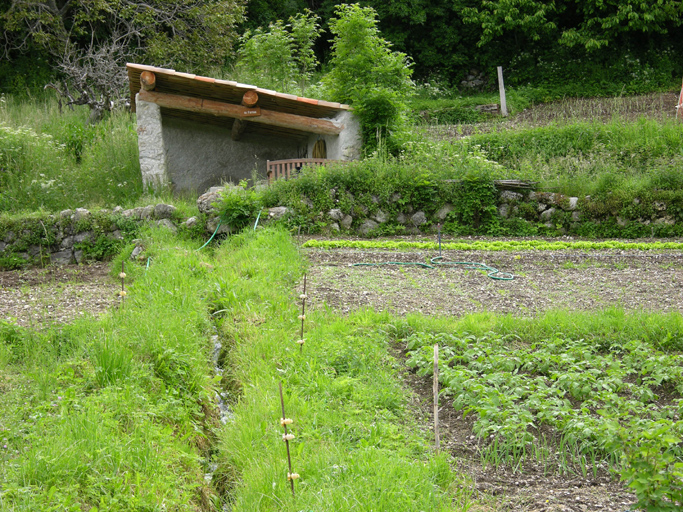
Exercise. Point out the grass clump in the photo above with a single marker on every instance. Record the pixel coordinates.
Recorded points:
(111, 412)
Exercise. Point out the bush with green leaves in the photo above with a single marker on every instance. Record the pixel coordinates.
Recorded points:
(281, 57)
(238, 206)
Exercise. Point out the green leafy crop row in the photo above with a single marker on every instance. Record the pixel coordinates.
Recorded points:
(513, 245)
(622, 402)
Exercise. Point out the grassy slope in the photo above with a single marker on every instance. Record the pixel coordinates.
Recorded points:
(116, 411)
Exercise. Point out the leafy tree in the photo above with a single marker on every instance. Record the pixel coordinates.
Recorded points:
(366, 73)
(265, 58)
(282, 56)
(305, 30)
(93, 39)
(602, 22)
(528, 19)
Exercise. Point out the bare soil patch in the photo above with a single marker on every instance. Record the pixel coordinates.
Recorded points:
(543, 280)
(39, 297)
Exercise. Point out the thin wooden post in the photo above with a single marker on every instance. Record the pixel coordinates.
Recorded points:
(284, 423)
(302, 317)
(501, 87)
(436, 397)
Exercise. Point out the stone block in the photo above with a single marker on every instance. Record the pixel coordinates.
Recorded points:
(507, 196)
(347, 221)
(80, 214)
(379, 216)
(164, 211)
(278, 212)
(146, 212)
(367, 226)
(62, 257)
(168, 224)
(335, 214)
(443, 212)
(206, 200)
(418, 219)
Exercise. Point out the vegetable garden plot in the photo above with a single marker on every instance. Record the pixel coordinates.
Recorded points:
(544, 280)
(618, 403)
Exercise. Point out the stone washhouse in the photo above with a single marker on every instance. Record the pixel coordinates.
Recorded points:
(196, 132)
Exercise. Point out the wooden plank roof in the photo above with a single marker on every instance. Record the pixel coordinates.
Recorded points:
(173, 82)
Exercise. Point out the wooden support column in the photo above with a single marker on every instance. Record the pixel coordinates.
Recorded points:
(252, 114)
(250, 99)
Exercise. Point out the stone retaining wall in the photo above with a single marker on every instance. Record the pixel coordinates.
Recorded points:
(73, 236)
(539, 213)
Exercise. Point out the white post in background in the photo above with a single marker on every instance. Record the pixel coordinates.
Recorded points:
(501, 87)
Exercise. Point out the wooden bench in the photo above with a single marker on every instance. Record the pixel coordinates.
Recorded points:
(286, 169)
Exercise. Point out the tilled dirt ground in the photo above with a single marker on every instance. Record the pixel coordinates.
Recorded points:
(543, 280)
(571, 280)
(39, 297)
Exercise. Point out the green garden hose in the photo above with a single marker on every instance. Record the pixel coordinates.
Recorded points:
(209, 240)
(491, 272)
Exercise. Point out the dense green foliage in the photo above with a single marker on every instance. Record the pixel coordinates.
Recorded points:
(282, 57)
(607, 47)
(56, 161)
(192, 33)
(576, 389)
(367, 74)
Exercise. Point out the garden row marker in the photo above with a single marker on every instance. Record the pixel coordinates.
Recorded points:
(436, 397)
(302, 317)
(122, 275)
(287, 437)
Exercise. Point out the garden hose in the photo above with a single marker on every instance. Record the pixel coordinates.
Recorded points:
(257, 218)
(491, 272)
(209, 240)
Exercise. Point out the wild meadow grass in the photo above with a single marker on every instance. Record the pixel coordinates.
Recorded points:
(53, 161)
(358, 445)
(107, 413)
(584, 158)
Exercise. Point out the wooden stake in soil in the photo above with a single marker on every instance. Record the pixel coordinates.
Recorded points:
(122, 275)
(436, 397)
(302, 316)
(284, 421)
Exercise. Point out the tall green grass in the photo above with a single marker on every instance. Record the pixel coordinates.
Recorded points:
(357, 445)
(591, 157)
(51, 160)
(110, 412)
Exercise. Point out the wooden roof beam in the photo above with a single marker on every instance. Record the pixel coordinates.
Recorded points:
(252, 114)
